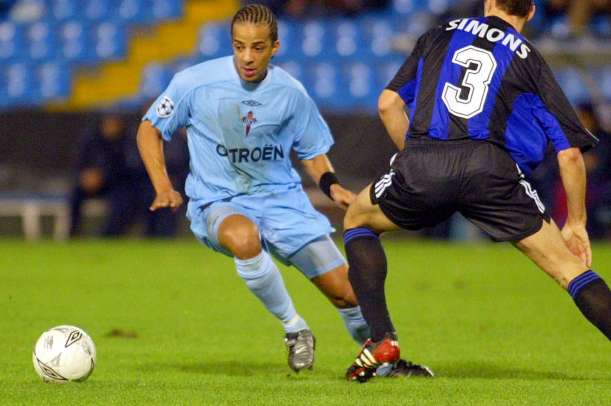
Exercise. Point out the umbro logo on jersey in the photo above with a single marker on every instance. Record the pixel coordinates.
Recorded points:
(248, 120)
(165, 108)
(252, 103)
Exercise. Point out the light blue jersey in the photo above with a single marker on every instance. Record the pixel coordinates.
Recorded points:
(240, 135)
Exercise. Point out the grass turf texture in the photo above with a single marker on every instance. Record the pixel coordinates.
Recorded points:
(493, 328)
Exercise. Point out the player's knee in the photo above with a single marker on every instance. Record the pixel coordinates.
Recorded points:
(344, 301)
(244, 241)
(353, 217)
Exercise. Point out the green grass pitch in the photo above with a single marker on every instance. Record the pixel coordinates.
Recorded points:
(494, 329)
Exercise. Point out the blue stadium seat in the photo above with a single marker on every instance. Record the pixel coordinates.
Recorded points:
(214, 40)
(109, 40)
(405, 7)
(132, 11)
(601, 26)
(61, 10)
(166, 9)
(378, 34)
(603, 78)
(42, 41)
(96, 10)
(438, 6)
(53, 82)
(20, 85)
(293, 67)
(155, 79)
(12, 41)
(290, 39)
(386, 69)
(75, 41)
(314, 37)
(361, 86)
(321, 80)
(347, 39)
(572, 84)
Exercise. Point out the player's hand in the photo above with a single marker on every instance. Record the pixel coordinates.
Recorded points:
(342, 197)
(167, 198)
(576, 238)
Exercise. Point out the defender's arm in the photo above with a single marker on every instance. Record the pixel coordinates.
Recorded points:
(391, 109)
(321, 171)
(150, 146)
(573, 175)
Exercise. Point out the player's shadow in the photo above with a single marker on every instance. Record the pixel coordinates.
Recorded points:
(229, 368)
(483, 370)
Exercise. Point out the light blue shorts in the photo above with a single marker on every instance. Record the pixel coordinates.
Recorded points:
(291, 229)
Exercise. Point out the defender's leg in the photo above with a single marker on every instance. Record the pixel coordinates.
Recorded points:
(547, 249)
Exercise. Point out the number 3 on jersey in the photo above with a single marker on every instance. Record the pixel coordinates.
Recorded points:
(477, 80)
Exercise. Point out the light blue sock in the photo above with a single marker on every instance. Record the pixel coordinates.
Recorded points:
(264, 280)
(356, 324)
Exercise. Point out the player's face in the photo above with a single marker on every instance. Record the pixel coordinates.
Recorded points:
(252, 50)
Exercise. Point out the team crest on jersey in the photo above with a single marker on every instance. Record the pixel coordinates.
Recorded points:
(165, 108)
(251, 103)
(248, 120)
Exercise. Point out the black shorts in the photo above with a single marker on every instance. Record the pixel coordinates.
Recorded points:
(430, 180)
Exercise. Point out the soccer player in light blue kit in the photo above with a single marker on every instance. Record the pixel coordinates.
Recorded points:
(243, 118)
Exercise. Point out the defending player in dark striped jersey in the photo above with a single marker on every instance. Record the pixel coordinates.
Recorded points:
(482, 106)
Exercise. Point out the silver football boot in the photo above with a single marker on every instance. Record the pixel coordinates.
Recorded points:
(300, 346)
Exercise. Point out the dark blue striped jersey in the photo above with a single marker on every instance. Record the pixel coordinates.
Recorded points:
(479, 78)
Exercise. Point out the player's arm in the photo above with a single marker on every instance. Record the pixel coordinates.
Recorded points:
(573, 175)
(391, 109)
(562, 127)
(150, 146)
(321, 171)
(400, 92)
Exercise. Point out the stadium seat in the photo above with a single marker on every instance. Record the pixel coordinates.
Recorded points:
(313, 39)
(12, 42)
(378, 34)
(155, 79)
(361, 85)
(290, 39)
(110, 40)
(166, 9)
(19, 80)
(603, 77)
(572, 84)
(62, 10)
(293, 67)
(42, 41)
(214, 41)
(347, 39)
(96, 10)
(53, 82)
(132, 11)
(321, 80)
(75, 41)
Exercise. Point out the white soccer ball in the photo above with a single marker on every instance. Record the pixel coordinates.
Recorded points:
(63, 354)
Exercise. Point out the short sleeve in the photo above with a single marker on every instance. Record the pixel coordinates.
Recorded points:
(405, 81)
(171, 110)
(312, 134)
(557, 117)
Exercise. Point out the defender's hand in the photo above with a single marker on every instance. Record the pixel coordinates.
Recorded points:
(169, 198)
(576, 238)
(342, 197)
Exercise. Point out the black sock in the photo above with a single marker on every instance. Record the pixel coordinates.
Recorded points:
(593, 297)
(367, 275)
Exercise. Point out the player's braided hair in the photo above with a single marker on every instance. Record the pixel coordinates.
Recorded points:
(257, 14)
(519, 8)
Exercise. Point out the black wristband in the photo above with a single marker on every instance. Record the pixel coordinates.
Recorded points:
(326, 180)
